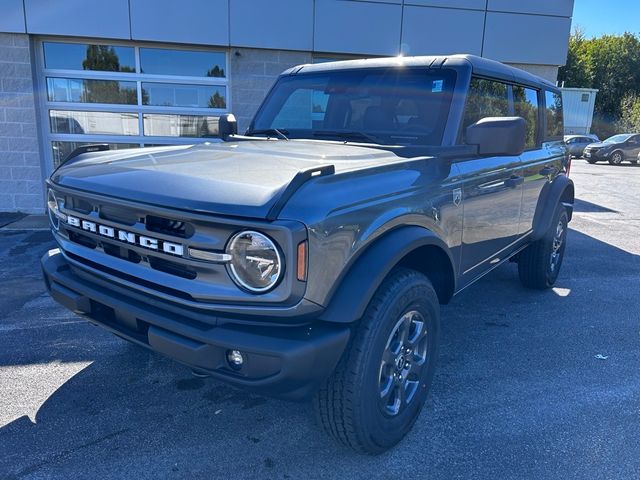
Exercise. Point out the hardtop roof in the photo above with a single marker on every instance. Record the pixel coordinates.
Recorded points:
(479, 66)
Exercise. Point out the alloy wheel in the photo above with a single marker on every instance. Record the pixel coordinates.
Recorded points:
(556, 246)
(403, 361)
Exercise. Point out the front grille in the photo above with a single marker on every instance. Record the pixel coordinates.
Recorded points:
(172, 268)
(131, 220)
(148, 246)
(83, 240)
(129, 278)
(121, 252)
(167, 226)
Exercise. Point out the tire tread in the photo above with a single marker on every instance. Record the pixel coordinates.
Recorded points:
(337, 402)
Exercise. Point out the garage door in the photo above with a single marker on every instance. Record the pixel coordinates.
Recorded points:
(128, 95)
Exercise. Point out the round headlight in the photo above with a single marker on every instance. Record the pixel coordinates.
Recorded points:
(255, 261)
(52, 210)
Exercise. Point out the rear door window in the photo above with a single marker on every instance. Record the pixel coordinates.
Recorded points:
(525, 104)
(553, 114)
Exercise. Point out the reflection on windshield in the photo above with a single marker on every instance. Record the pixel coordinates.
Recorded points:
(617, 139)
(381, 105)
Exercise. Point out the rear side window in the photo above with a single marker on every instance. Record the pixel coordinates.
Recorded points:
(525, 105)
(486, 98)
(555, 124)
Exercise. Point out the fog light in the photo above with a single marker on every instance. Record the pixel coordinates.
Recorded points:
(235, 359)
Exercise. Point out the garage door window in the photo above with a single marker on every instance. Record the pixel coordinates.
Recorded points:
(129, 95)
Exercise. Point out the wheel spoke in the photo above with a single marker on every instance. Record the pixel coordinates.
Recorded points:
(402, 392)
(386, 388)
(388, 357)
(406, 329)
(402, 361)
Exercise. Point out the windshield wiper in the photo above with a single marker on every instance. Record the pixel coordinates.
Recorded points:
(270, 131)
(353, 135)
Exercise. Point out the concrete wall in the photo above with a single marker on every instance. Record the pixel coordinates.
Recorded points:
(20, 171)
(253, 71)
(263, 38)
(522, 31)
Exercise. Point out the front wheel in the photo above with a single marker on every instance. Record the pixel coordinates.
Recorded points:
(591, 161)
(380, 385)
(539, 264)
(616, 158)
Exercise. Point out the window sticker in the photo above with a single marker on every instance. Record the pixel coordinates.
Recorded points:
(437, 86)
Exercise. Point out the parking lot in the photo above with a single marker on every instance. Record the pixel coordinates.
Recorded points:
(530, 384)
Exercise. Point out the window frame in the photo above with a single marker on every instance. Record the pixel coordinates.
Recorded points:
(42, 73)
(546, 138)
(511, 107)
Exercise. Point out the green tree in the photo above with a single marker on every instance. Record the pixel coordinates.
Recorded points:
(630, 113)
(215, 72)
(610, 63)
(104, 58)
(217, 101)
(575, 73)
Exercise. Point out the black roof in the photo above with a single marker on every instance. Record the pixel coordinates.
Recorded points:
(479, 66)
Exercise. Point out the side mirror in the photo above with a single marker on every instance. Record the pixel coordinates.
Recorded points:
(227, 125)
(498, 136)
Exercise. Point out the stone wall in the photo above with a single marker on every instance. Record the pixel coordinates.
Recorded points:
(21, 185)
(253, 72)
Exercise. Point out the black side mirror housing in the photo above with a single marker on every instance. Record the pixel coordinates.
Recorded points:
(498, 136)
(227, 125)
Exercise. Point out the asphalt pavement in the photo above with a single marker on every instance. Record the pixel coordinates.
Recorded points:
(542, 385)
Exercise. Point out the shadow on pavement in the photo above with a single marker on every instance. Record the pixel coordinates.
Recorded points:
(518, 389)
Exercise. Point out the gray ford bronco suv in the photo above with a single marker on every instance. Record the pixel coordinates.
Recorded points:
(308, 257)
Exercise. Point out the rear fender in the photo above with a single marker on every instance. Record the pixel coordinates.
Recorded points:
(560, 192)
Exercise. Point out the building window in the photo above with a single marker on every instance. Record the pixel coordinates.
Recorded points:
(585, 97)
(129, 95)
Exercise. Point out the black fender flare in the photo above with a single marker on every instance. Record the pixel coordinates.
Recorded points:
(559, 192)
(367, 272)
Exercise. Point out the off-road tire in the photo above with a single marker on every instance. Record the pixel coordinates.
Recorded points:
(348, 405)
(535, 262)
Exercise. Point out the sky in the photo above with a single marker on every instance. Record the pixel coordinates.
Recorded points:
(599, 17)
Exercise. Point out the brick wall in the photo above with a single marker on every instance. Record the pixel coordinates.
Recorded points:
(20, 169)
(252, 74)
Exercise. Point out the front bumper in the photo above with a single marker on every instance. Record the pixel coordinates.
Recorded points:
(597, 155)
(288, 362)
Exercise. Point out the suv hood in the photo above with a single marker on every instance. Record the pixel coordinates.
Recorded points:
(232, 178)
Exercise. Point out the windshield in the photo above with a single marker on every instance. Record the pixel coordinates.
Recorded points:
(617, 138)
(386, 106)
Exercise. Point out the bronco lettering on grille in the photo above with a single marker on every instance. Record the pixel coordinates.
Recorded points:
(126, 237)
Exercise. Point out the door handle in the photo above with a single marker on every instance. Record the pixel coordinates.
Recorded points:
(514, 181)
(546, 171)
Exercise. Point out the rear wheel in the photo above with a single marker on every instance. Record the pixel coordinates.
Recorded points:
(616, 158)
(380, 385)
(539, 264)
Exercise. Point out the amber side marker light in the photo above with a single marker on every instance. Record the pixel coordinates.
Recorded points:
(301, 270)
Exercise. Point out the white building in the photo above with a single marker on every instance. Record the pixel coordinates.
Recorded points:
(578, 105)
